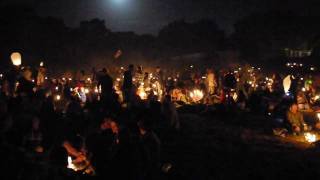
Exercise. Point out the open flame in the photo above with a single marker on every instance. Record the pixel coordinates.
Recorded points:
(310, 137)
(141, 92)
(196, 95)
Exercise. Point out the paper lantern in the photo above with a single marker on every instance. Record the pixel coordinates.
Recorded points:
(16, 58)
(286, 84)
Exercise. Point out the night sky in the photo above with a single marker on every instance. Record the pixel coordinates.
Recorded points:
(148, 16)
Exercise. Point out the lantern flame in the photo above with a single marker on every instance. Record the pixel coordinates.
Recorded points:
(310, 137)
(196, 95)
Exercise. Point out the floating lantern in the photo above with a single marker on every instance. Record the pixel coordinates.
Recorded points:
(16, 58)
(286, 84)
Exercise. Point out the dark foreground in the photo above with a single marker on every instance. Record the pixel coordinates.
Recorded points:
(237, 145)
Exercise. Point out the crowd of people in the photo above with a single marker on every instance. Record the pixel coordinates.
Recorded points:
(106, 123)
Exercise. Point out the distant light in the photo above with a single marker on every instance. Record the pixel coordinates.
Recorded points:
(41, 64)
(57, 88)
(312, 68)
(32, 80)
(63, 78)
(1, 75)
(46, 78)
(191, 66)
(58, 97)
(304, 89)
(301, 65)
(86, 90)
(70, 79)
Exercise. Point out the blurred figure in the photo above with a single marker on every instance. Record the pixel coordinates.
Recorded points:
(295, 119)
(41, 75)
(211, 82)
(99, 145)
(139, 76)
(33, 140)
(151, 149)
(230, 81)
(127, 86)
(170, 113)
(302, 102)
(106, 83)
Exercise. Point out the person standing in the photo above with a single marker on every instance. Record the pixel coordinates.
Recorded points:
(211, 82)
(127, 86)
(106, 83)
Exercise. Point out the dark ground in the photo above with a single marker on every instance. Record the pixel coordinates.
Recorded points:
(233, 145)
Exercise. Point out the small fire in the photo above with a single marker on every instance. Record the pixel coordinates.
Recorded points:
(196, 95)
(141, 92)
(310, 137)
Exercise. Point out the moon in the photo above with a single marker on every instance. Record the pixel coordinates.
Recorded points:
(119, 2)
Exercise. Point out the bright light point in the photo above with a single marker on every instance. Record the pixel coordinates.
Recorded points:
(310, 137)
(58, 97)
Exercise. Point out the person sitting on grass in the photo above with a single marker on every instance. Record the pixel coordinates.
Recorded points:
(295, 119)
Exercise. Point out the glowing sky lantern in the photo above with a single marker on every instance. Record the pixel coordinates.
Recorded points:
(286, 84)
(16, 58)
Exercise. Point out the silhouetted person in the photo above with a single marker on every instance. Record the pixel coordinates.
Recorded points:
(127, 87)
(151, 149)
(230, 81)
(106, 83)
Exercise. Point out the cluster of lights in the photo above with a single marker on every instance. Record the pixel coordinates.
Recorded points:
(293, 65)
